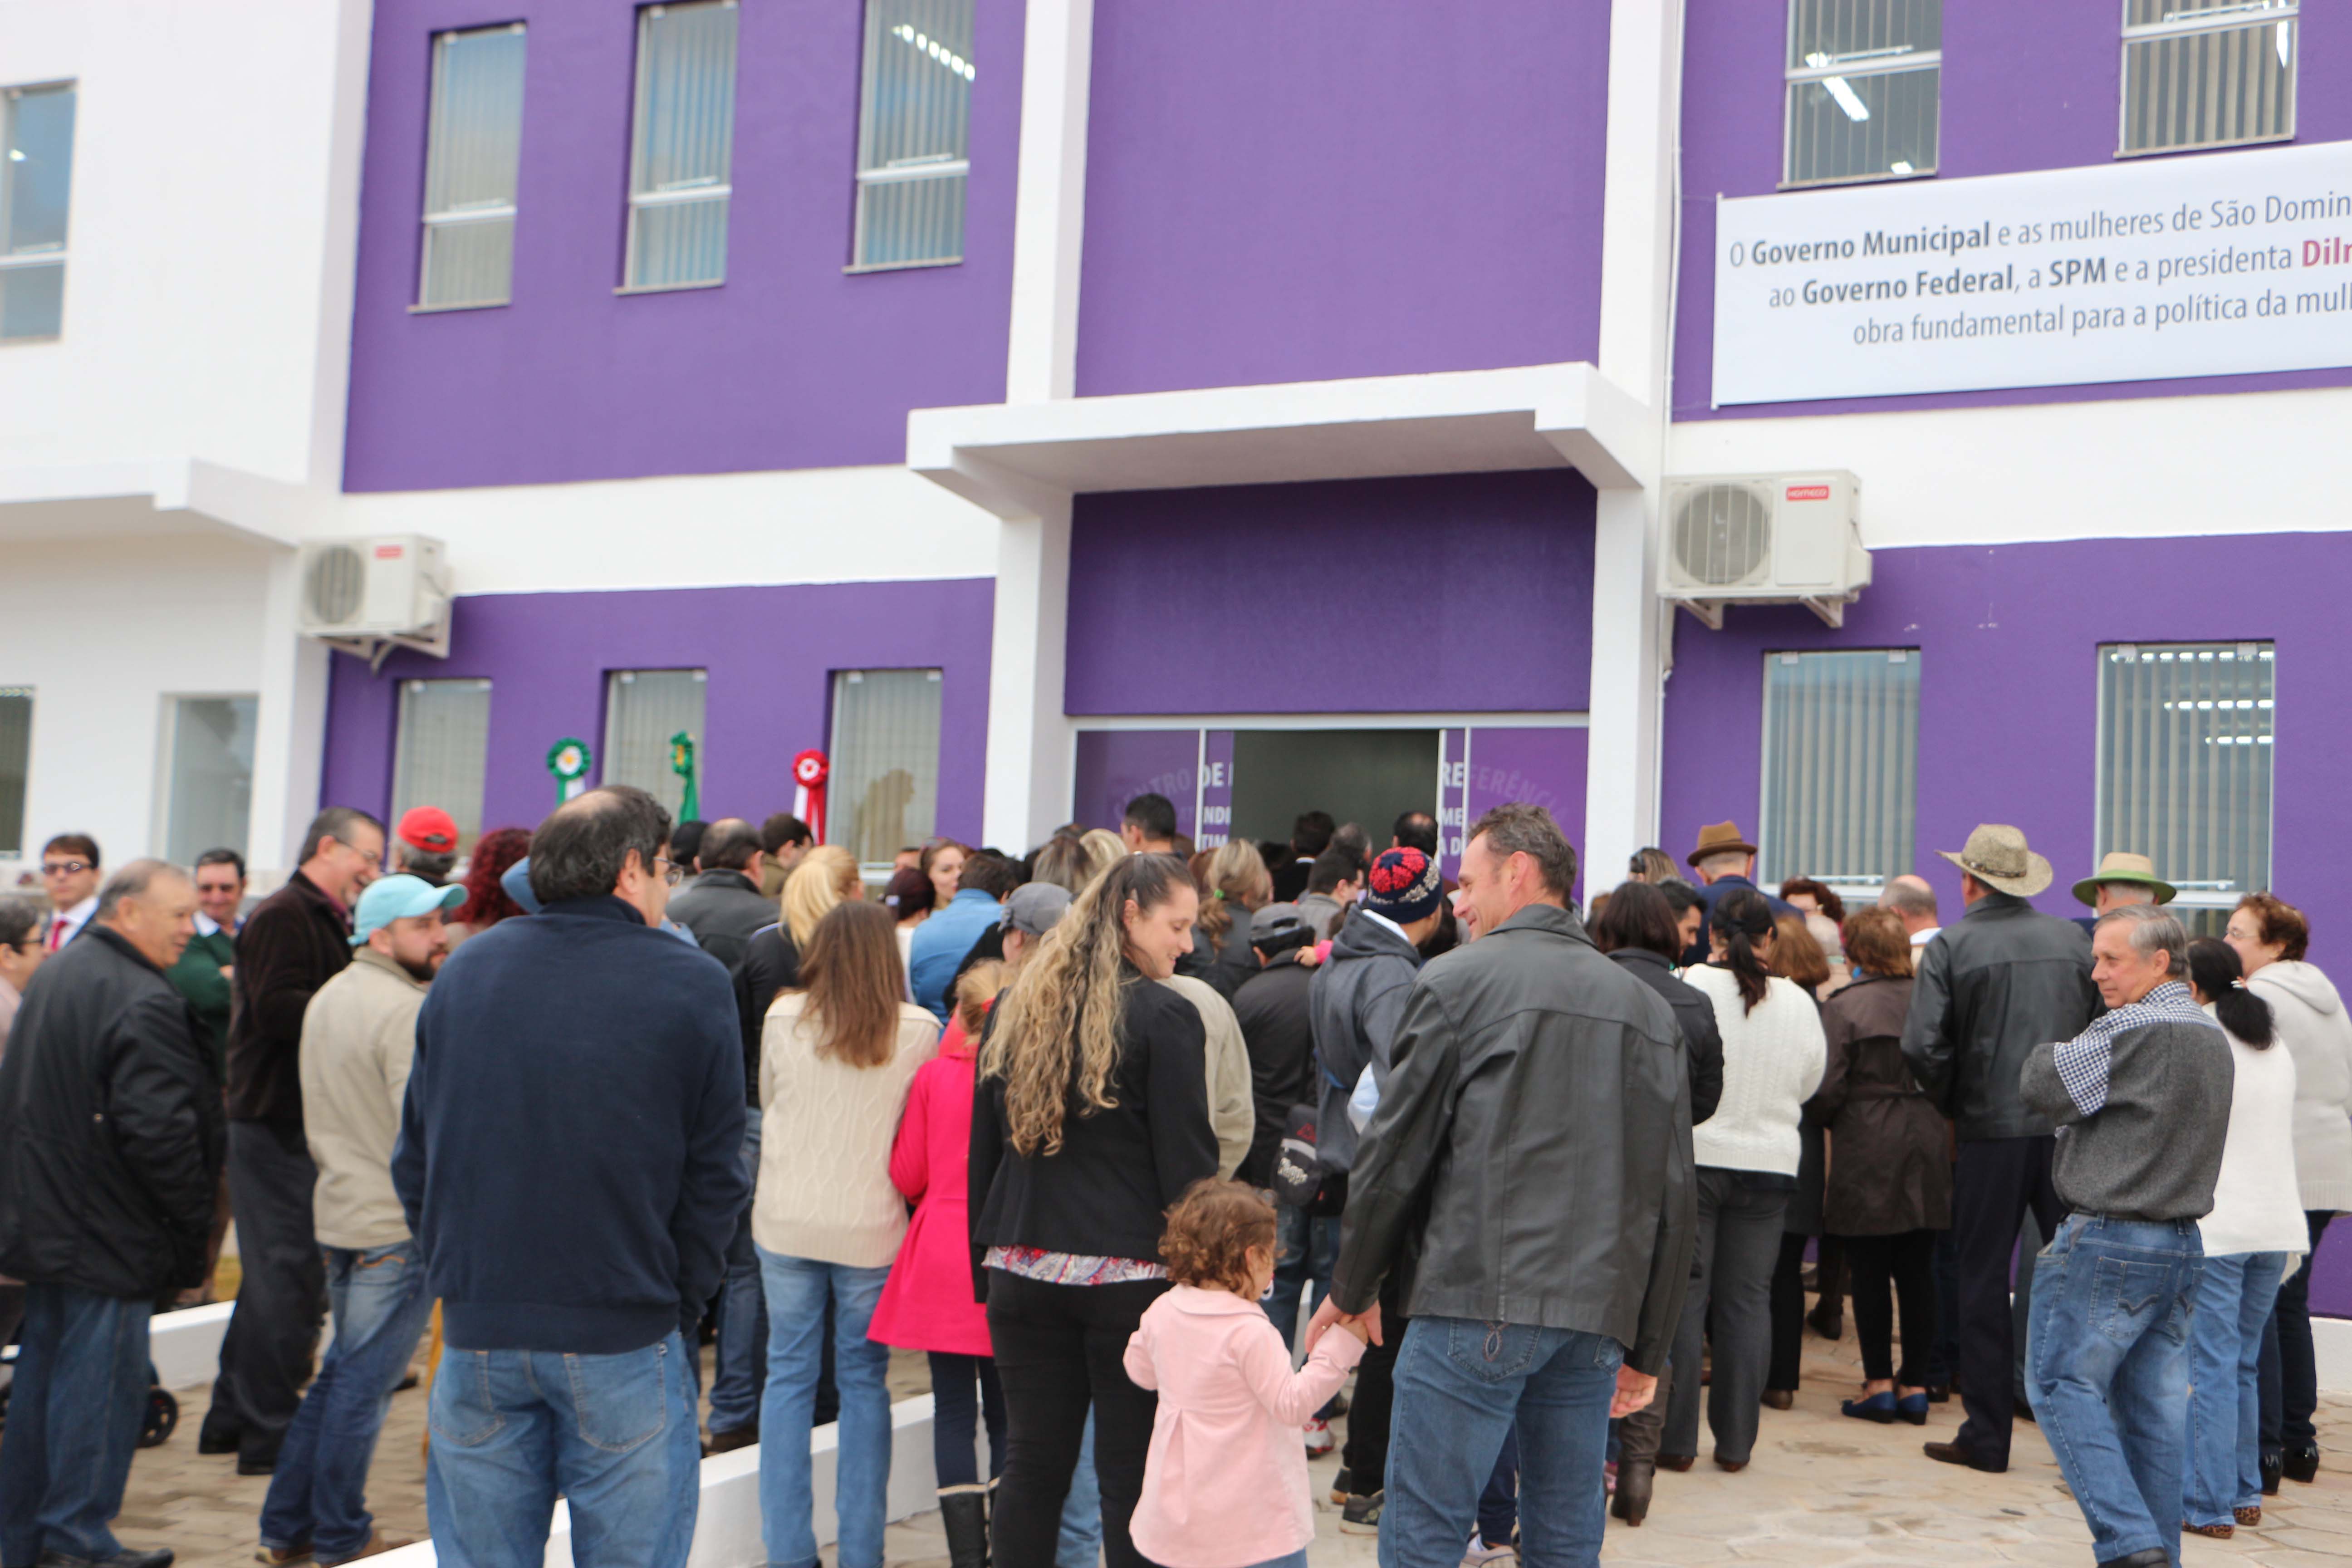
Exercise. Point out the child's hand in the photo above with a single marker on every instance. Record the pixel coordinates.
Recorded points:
(1357, 1327)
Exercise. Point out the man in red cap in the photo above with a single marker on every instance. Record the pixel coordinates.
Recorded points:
(425, 844)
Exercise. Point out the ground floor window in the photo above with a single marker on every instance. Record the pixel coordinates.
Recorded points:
(207, 774)
(442, 753)
(15, 761)
(1840, 767)
(644, 711)
(883, 791)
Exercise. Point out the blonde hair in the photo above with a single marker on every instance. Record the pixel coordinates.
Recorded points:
(974, 991)
(1104, 850)
(1233, 885)
(826, 875)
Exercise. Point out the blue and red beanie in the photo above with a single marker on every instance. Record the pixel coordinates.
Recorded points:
(1402, 886)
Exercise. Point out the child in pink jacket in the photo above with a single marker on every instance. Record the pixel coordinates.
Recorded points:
(1225, 1485)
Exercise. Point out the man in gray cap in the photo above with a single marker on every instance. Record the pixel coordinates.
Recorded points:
(1034, 909)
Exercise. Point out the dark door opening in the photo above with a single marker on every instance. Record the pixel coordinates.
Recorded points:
(1366, 776)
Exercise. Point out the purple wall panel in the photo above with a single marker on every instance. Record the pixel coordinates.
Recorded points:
(2006, 110)
(770, 652)
(1316, 190)
(1542, 767)
(1113, 766)
(790, 365)
(1447, 593)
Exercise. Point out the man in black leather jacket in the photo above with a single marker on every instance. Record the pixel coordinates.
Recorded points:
(2003, 979)
(1530, 1165)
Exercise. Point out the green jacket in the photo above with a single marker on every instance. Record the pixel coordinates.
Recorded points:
(198, 978)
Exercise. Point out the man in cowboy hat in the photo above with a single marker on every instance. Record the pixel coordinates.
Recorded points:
(2003, 979)
(1724, 860)
(2122, 878)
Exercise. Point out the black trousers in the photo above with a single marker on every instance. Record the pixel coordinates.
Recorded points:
(272, 1341)
(1788, 1313)
(1907, 1263)
(1059, 1347)
(1365, 1455)
(2290, 1374)
(1998, 1179)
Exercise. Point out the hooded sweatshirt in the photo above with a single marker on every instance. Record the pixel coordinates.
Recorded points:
(2314, 1026)
(1356, 1001)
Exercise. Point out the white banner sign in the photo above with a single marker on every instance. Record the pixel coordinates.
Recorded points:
(2218, 265)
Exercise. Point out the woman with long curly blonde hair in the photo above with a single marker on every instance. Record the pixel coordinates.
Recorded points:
(1091, 1117)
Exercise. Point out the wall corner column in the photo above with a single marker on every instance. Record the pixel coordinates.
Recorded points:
(289, 723)
(1029, 736)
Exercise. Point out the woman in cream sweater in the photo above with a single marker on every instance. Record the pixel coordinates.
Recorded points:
(1773, 1052)
(837, 1057)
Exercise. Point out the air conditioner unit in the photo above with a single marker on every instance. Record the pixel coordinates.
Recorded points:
(371, 595)
(1764, 539)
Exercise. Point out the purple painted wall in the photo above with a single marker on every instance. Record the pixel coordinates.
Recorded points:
(2006, 108)
(1450, 592)
(1113, 766)
(791, 363)
(1542, 767)
(770, 652)
(1318, 189)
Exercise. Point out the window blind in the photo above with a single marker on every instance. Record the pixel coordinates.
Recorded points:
(36, 184)
(1840, 766)
(2206, 73)
(883, 793)
(681, 152)
(442, 753)
(642, 709)
(209, 791)
(914, 132)
(1864, 81)
(15, 761)
(473, 148)
(2185, 762)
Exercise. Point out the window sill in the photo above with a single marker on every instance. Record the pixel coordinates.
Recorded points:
(445, 309)
(668, 288)
(31, 342)
(2202, 146)
(1889, 178)
(862, 267)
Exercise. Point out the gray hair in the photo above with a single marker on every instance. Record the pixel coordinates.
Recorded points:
(1517, 827)
(1909, 895)
(1730, 861)
(133, 881)
(2154, 928)
(19, 919)
(2125, 893)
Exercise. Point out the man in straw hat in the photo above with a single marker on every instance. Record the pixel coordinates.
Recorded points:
(2122, 878)
(1723, 859)
(2003, 979)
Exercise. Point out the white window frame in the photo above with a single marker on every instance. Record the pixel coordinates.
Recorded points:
(663, 784)
(401, 764)
(2248, 15)
(2194, 893)
(1871, 62)
(61, 258)
(878, 870)
(454, 217)
(1854, 888)
(33, 700)
(724, 191)
(938, 166)
(167, 746)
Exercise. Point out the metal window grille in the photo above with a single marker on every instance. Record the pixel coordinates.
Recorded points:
(208, 789)
(681, 151)
(2185, 745)
(1864, 83)
(473, 146)
(914, 129)
(2206, 73)
(884, 788)
(442, 753)
(1840, 766)
(642, 709)
(15, 762)
(35, 192)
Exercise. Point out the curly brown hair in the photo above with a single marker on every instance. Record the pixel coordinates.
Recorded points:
(1211, 1230)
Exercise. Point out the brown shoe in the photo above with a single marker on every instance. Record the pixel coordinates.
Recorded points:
(2216, 1531)
(1954, 1454)
(729, 1441)
(378, 1544)
(1778, 1398)
(1730, 1467)
(2249, 1516)
(1676, 1462)
(279, 1557)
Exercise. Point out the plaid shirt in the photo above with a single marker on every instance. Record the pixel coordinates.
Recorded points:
(2084, 1061)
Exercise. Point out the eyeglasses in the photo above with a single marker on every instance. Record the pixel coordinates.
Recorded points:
(64, 867)
(672, 873)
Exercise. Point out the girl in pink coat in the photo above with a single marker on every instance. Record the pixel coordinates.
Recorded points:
(1225, 1485)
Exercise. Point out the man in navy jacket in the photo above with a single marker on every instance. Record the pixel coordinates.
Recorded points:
(570, 1160)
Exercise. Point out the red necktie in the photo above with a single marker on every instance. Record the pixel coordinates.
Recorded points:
(56, 933)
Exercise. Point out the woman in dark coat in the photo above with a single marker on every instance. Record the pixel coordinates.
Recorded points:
(1890, 1177)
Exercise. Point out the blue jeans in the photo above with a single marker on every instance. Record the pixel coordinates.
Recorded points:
(1305, 1248)
(1460, 1385)
(797, 1292)
(615, 1435)
(2107, 1362)
(740, 1361)
(2225, 1412)
(319, 1495)
(74, 1414)
(1079, 1545)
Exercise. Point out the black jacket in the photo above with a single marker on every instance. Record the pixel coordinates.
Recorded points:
(771, 964)
(1694, 1013)
(1104, 1193)
(111, 1136)
(295, 940)
(2005, 980)
(1534, 1132)
(1276, 1026)
(723, 909)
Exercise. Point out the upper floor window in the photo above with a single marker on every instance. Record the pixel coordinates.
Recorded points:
(884, 782)
(207, 774)
(644, 711)
(473, 144)
(442, 753)
(2206, 73)
(1840, 766)
(2184, 760)
(681, 150)
(16, 758)
(914, 132)
(1864, 81)
(36, 184)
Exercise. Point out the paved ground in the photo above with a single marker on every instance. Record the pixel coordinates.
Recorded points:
(1823, 1490)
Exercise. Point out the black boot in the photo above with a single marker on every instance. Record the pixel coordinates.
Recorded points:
(1631, 1502)
(2273, 1467)
(963, 1510)
(2301, 1462)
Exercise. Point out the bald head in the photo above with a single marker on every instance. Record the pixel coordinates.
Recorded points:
(151, 905)
(730, 844)
(1912, 901)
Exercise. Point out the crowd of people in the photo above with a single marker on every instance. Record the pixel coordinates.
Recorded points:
(1147, 1148)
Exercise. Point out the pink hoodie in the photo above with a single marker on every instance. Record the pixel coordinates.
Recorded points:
(1225, 1484)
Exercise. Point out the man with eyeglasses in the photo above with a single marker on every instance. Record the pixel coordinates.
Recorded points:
(69, 873)
(295, 940)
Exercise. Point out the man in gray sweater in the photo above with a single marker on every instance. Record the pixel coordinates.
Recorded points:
(2142, 1101)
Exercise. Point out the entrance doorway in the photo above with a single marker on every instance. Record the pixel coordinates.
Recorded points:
(1369, 776)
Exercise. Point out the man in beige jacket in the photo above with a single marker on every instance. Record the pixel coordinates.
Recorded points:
(358, 1036)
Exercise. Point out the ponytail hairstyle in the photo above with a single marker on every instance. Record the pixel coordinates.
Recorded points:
(2215, 969)
(1741, 919)
(1233, 883)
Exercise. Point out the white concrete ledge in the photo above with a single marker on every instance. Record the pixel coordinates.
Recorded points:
(185, 1344)
(2331, 1344)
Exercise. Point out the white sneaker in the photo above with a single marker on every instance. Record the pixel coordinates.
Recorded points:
(1483, 1556)
(1319, 1440)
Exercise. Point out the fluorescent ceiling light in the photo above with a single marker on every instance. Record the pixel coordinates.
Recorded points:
(1856, 109)
(1901, 166)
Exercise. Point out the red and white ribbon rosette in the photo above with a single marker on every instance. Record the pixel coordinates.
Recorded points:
(809, 770)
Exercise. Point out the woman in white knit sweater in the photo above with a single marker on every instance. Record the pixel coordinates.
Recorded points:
(836, 1060)
(2251, 1239)
(2271, 936)
(1773, 1053)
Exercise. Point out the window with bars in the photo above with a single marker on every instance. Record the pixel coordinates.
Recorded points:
(442, 753)
(2185, 745)
(914, 125)
(883, 791)
(473, 146)
(1864, 82)
(2206, 73)
(208, 776)
(15, 762)
(643, 710)
(35, 188)
(1840, 767)
(681, 151)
